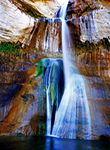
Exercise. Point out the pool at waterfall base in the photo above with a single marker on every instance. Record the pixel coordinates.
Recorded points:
(50, 143)
(62, 99)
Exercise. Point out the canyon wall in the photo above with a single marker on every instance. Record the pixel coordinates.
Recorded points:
(42, 8)
(23, 95)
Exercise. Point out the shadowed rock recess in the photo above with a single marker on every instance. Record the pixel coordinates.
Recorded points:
(28, 80)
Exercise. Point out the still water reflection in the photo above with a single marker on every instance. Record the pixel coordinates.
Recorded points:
(48, 143)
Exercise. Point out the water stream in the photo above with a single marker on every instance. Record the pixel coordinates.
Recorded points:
(47, 85)
(72, 118)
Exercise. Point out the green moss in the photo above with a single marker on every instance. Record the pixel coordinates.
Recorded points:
(36, 49)
(25, 99)
(98, 47)
(88, 47)
(90, 51)
(8, 47)
(14, 49)
(41, 129)
(40, 69)
(29, 12)
(106, 42)
(79, 46)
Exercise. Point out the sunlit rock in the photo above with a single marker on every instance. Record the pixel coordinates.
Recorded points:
(92, 30)
(92, 19)
(76, 7)
(93, 59)
(14, 24)
(44, 34)
(43, 8)
(47, 36)
(95, 25)
(25, 88)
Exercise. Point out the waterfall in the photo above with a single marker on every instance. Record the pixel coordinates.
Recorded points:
(54, 85)
(72, 118)
(48, 103)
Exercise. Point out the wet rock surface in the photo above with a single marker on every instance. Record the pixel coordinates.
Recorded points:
(23, 103)
(14, 76)
(98, 89)
(22, 100)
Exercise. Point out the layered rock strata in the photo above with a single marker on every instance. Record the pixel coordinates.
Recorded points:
(24, 110)
(42, 8)
(14, 25)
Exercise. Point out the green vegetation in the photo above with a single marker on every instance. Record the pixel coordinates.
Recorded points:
(105, 42)
(8, 47)
(40, 71)
(88, 47)
(41, 129)
(29, 12)
(13, 49)
(84, 47)
(36, 49)
(40, 68)
(25, 99)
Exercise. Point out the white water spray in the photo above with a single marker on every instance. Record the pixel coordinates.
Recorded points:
(47, 85)
(72, 119)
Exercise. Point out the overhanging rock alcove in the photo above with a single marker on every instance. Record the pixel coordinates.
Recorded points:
(36, 73)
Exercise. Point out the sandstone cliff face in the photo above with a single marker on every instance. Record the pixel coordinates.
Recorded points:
(23, 102)
(14, 77)
(25, 110)
(45, 8)
(98, 94)
(95, 25)
(92, 61)
(14, 25)
(93, 19)
(45, 34)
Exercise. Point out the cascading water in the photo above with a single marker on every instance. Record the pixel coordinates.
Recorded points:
(54, 90)
(47, 85)
(72, 118)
